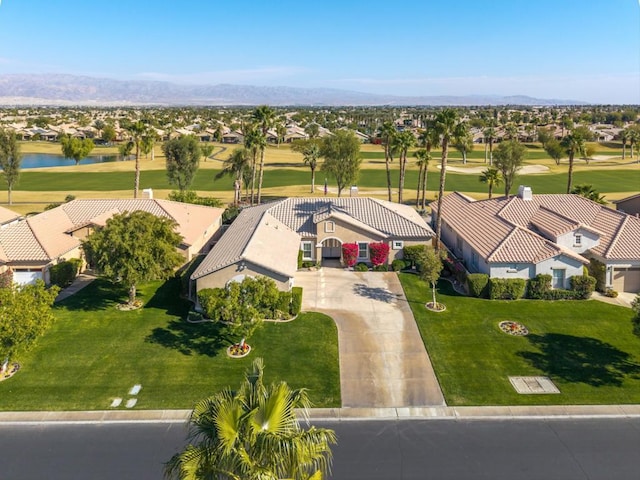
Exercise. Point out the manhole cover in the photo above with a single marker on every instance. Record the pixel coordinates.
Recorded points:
(533, 385)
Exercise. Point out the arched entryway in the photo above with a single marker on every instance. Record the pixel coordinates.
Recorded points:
(331, 249)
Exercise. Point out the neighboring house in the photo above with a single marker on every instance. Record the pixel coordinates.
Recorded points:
(266, 239)
(556, 234)
(630, 205)
(233, 137)
(7, 217)
(32, 245)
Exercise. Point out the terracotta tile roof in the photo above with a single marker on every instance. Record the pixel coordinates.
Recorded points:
(7, 215)
(20, 244)
(255, 236)
(488, 225)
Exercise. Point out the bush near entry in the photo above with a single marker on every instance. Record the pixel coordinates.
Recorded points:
(64, 273)
(478, 283)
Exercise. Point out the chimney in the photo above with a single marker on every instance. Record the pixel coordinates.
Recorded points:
(525, 193)
(147, 193)
(353, 191)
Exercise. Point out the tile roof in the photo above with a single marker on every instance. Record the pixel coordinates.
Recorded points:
(7, 215)
(487, 224)
(47, 235)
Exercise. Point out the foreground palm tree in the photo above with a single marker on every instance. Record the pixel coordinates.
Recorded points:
(403, 141)
(492, 177)
(238, 165)
(573, 144)
(264, 116)
(253, 434)
(138, 131)
(423, 157)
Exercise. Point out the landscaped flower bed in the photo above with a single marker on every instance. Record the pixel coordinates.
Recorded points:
(513, 328)
(238, 351)
(10, 371)
(435, 307)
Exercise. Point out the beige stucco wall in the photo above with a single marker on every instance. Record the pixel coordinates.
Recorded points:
(631, 206)
(219, 278)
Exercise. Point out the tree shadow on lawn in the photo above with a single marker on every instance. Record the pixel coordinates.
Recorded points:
(167, 297)
(206, 338)
(581, 359)
(98, 295)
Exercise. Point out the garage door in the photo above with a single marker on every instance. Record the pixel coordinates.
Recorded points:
(626, 279)
(24, 277)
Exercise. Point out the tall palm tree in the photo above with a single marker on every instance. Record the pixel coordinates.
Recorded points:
(423, 157)
(624, 137)
(464, 142)
(137, 130)
(403, 142)
(491, 176)
(389, 133)
(310, 150)
(573, 144)
(237, 166)
(254, 141)
(264, 116)
(489, 137)
(448, 126)
(634, 139)
(253, 433)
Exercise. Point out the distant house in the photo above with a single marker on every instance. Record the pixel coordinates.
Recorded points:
(266, 239)
(234, 137)
(526, 235)
(630, 205)
(30, 246)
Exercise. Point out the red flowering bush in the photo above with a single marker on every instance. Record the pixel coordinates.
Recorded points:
(379, 253)
(349, 254)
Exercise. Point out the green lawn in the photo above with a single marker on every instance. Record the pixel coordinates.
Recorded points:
(94, 353)
(586, 347)
(602, 180)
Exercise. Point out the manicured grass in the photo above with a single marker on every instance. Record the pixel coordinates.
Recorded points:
(95, 353)
(587, 348)
(602, 180)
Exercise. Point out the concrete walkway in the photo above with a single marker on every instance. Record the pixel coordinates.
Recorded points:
(623, 299)
(383, 361)
(78, 284)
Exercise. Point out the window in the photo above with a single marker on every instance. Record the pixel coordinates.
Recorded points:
(363, 250)
(398, 244)
(474, 259)
(558, 278)
(577, 240)
(329, 227)
(459, 244)
(307, 250)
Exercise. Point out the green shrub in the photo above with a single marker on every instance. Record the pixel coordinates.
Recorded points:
(308, 264)
(361, 267)
(64, 273)
(611, 293)
(300, 253)
(539, 286)
(381, 268)
(583, 285)
(598, 270)
(398, 265)
(283, 308)
(477, 283)
(506, 288)
(230, 214)
(411, 254)
(6, 278)
(296, 301)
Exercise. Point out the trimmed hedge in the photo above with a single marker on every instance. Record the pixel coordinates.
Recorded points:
(64, 273)
(381, 268)
(539, 287)
(477, 283)
(361, 267)
(583, 286)
(300, 253)
(598, 270)
(296, 301)
(411, 254)
(506, 288)
(398, 265)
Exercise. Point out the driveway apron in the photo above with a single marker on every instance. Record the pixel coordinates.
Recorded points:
(383, 361)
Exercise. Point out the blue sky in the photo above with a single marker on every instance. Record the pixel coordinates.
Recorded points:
(568, 49)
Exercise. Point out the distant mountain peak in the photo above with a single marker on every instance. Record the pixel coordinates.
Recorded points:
(64, 89)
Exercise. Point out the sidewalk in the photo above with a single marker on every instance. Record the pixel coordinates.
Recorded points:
(527, 412)
(78, 284)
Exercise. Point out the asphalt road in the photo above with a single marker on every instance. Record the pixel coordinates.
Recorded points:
(420, 449)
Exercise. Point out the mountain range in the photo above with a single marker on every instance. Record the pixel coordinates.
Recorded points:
(62, 89)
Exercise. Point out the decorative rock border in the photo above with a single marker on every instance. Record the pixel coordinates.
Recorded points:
(126, 307)
(12, 369)
(439, 307)
(241, 355)
(513, 328)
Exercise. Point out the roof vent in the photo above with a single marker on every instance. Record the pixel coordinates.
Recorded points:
(525, 193)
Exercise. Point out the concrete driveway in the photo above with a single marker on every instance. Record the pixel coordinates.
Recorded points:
(383, 362)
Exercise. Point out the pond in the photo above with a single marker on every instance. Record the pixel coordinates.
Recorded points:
(36, 160)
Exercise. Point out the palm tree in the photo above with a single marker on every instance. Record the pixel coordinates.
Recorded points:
(489, 137)
(464, 143)
(634, 139)
(310, 150)
(491, 176)
(423, 157)
(264, 116)
(448, 127)
(253, 433)
(403, 142)
(137, 130)
(573, 144)
(587, 191)
(389, 133)
(237, 166)
(254, 141)
(624, 137)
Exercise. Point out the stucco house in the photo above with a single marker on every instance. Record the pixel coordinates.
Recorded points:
(630, 205)
(266, 239)
(526, 235)
(30, 246)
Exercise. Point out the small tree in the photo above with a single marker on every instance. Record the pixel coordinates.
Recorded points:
(25, 314)
(379, 253)
(133, 248)
(341, 153)
(10, 160)
(76, 148)
(509, 157)
(183, 159)
(429, 268)
(349, 254)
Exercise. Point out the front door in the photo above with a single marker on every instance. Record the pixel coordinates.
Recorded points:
(331, 248)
